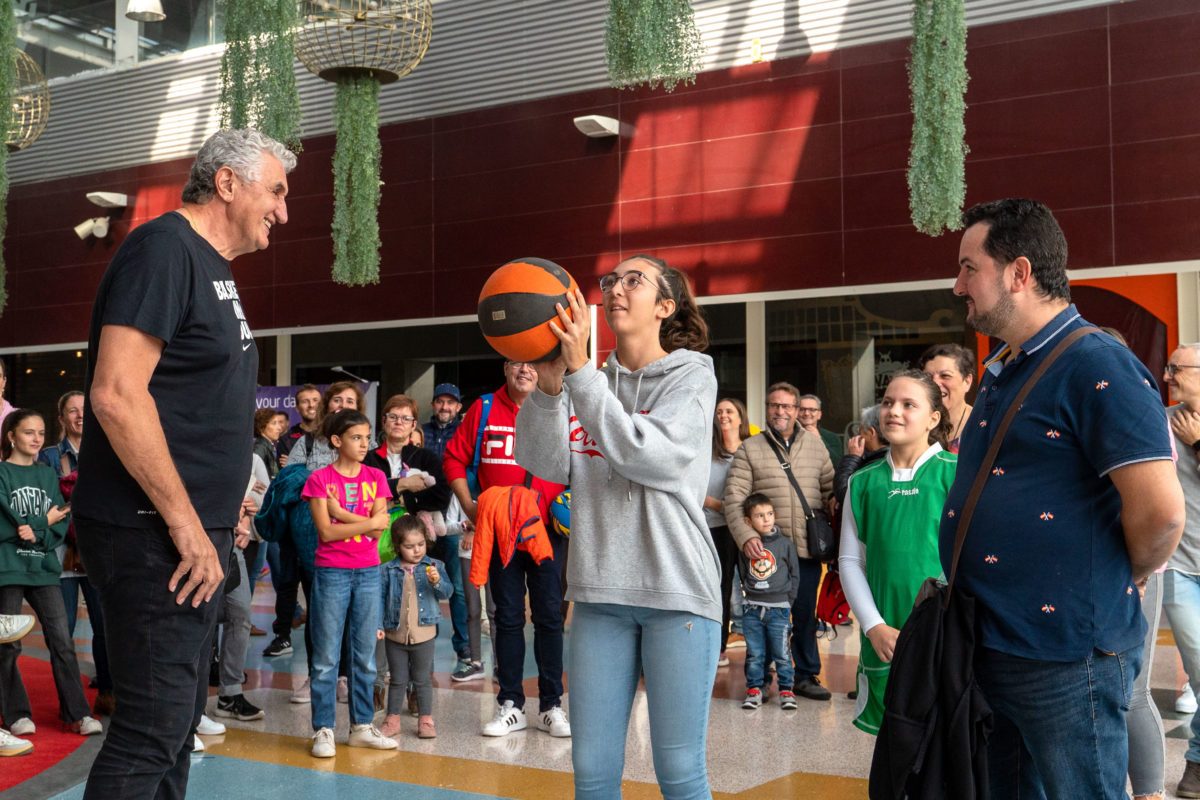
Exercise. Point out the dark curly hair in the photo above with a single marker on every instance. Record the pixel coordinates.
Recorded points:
(1018, 227)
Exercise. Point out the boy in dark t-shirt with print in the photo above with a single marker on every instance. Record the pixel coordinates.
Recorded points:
(770, 583)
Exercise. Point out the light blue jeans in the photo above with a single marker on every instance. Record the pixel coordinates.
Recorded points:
(336, 592)
(1181, 601)
(611, 648)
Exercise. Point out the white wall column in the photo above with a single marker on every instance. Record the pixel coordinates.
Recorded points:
(756, 362)
(1187, 290)
(283, 359)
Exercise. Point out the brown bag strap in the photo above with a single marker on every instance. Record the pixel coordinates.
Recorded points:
(985, 468)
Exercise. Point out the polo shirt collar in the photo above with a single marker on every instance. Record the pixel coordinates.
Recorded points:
(1049, 332)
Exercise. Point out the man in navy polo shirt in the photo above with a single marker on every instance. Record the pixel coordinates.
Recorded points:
(1082, 504)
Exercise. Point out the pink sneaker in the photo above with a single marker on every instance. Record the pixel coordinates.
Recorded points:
(425, 727)
(391, 725)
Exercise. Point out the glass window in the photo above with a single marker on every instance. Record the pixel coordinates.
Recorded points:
(843, 349)
(66, 37)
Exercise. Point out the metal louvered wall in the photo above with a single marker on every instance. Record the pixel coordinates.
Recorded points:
(484, 53)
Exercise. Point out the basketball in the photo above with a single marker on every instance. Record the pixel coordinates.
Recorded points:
(560, 513)
(516, 305)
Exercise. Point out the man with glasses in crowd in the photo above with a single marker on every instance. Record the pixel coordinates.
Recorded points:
(810, 416)
(498, 467)
(756, 468)
(1181, 580)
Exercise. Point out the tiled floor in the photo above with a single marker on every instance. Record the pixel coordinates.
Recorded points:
(813, 752)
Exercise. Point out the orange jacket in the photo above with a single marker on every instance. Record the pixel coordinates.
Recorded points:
(507, 516)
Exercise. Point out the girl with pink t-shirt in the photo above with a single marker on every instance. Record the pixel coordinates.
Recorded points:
(349, 507)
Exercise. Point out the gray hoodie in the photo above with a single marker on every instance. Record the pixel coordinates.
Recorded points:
(635, 448)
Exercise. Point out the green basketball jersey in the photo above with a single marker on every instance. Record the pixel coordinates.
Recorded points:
(898, 525)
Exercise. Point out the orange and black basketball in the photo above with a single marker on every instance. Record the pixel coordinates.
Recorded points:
(516, 305)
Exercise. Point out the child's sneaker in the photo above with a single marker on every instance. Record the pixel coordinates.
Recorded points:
(323, 746)
(508, 718)
(367, 735)
(787, 700)
(754, 698)
(391, 725)
(425, 727)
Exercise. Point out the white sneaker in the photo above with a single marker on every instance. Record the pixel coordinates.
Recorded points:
(209, 727)
(554, 722)
(323, 746)
(23, 727)
(343, 690)
(14, 626)
(303, 692)
(197, 744)
(1186, 702)
(508, 718)
(88, 726)
(369, 736)
(12, 746)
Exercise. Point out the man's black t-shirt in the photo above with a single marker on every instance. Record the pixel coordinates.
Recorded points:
(169, 282)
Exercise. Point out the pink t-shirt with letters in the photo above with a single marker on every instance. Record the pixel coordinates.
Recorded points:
(356, 495)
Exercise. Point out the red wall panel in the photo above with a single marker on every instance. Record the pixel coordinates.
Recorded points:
(766, 177)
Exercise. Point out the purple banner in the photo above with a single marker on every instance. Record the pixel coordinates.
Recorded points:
(283, 398)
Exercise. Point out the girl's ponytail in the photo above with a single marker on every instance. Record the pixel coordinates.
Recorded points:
(686, 328)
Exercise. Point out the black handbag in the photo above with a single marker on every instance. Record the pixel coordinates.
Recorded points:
(819, 536)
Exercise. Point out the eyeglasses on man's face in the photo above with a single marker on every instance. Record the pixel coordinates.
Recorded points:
(1173, 369)
(629, 281)
(809, 409)
(398, 418)
(780, 406)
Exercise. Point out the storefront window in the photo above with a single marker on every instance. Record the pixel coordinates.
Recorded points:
(844, 348)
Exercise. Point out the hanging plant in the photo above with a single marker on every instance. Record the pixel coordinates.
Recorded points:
(937, 78)
(652, 42)
(359, 45)
(356, 164)
(8, 81)
(258, 81)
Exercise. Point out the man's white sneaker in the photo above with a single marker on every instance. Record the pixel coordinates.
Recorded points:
(303, 692)
(1186, 702)
(508, 718)
(554, 722)
(323, 746)
(23, 727)
(12, 746)
(369, 736)
(14, 626)
(209, 727)
(197, 744)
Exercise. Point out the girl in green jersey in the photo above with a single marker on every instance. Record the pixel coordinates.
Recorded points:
(890, 528)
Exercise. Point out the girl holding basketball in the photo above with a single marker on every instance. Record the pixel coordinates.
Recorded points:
(634, 441)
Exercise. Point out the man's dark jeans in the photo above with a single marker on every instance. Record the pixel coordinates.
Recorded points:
(804, 622)
(508, 625)
(158, 659)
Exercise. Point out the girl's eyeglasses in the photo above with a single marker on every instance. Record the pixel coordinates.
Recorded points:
(629, 281)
